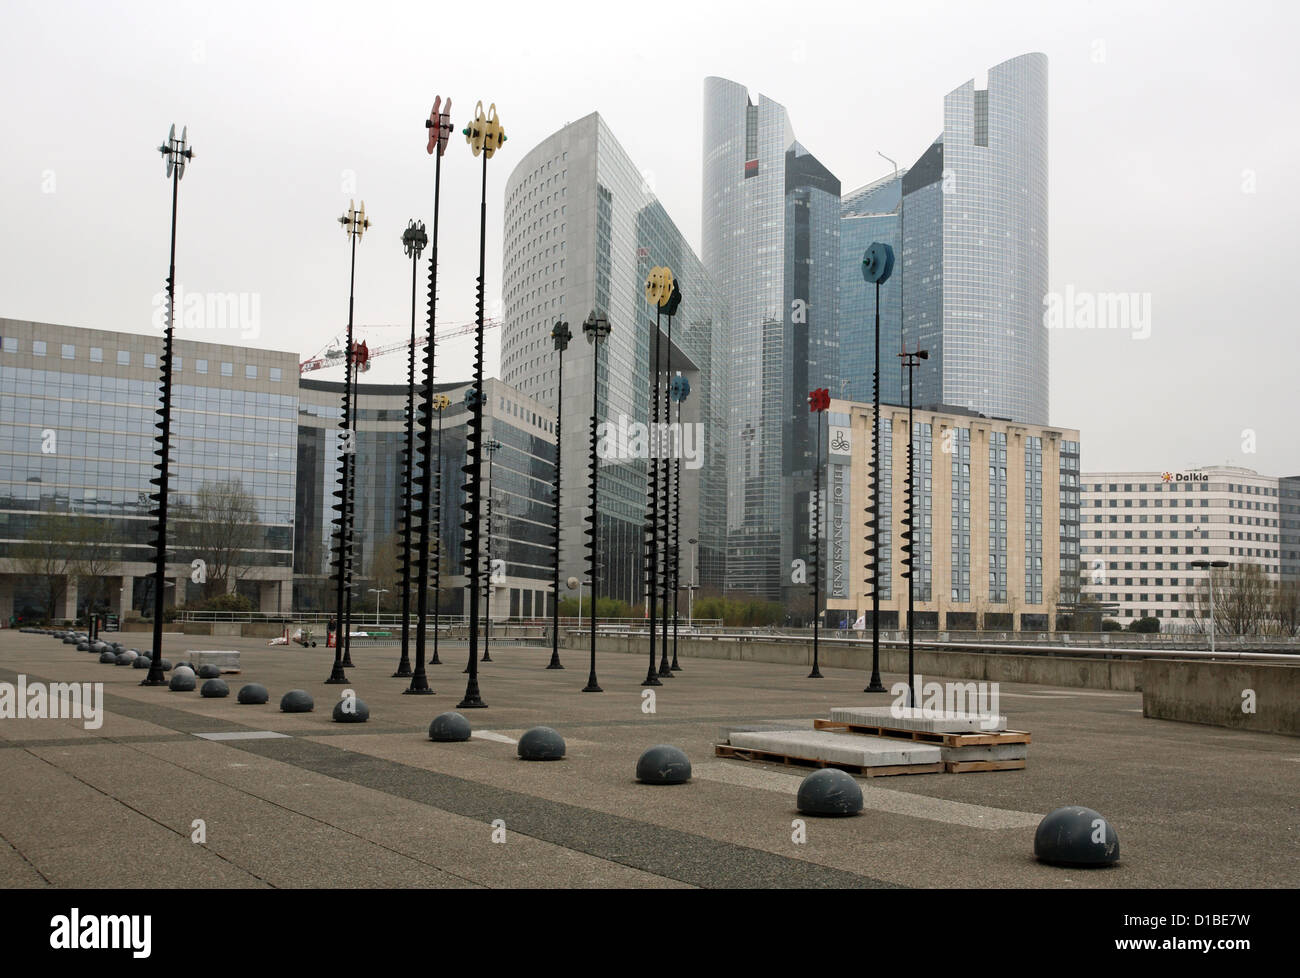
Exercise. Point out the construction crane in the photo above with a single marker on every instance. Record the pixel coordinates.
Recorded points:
(332, 354)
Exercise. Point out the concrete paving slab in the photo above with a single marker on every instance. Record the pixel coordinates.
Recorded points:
(986, 752)
(841, 748)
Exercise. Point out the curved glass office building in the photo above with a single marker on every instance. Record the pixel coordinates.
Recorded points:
(771, 219)
(974, 258)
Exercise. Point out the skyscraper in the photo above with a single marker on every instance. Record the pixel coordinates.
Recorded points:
(771, 216)
(582, 231)
(974, 256)
(867, 215)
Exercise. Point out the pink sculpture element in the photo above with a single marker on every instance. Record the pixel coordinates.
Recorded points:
(439, 126)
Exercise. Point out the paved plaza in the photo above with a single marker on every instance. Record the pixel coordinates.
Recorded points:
(379, 805)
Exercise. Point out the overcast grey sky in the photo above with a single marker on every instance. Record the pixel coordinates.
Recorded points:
(1173, 151)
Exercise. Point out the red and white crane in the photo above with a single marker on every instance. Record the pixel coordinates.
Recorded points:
(332, 354)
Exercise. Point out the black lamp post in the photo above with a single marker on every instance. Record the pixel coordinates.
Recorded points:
(680, 390)
(439, 126)
(492, 446)
(484, 135)
(818, 402)
(561, 335)
(596, 327)
(911, 360)
(414, 239)
(877, 265)
(177, 154)
(354, 224)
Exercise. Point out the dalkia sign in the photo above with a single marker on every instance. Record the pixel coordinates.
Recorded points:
(1184, 477)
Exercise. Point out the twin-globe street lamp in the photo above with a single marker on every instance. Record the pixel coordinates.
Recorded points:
(911, 360)
(177, 153)
(414, 239)
(355, 224)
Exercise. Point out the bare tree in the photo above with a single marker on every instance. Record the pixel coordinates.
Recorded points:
(95, 554)
(1286, 607)
(1243, 600)
(218, 527)
(47, 554)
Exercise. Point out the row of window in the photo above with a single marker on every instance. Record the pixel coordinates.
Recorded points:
(68, 351)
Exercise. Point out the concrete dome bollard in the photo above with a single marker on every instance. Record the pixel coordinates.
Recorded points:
(166, 665)
(83, 646)
(449, 728)
(357, 712)
(214, 689)
(663, 764)
(125, 658)
(185, 665)
(297, 701)
(108, 658)
(209, 672)
(541, 744)
(254, 694)
(141, 662)
(1076, 836)
(829, 791)
(182, 681)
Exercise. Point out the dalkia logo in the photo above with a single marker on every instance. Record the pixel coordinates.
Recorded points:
(104, 932)
(57, 701)
(1184, 477)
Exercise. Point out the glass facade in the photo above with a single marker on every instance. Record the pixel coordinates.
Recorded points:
(868, 215)
(77, 438)
(771, 222)
(975, 248)
(583, 229)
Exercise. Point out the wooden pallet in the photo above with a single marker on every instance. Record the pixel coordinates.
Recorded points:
(862, 770)
(928, 737)
(966, 767)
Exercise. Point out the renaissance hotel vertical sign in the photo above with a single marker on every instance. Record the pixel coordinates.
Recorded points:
(839, 459)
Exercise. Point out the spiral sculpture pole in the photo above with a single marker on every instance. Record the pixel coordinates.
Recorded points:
(176, 154)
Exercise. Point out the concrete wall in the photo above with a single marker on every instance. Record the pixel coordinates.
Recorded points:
(1214, 693)
(1047, 670)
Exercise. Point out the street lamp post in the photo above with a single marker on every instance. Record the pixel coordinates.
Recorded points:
(1208, 566)
(439, 126)
(354, 224)
(911, 360)
(659, 289)
(818, 402)
(596, 328)
(414, 239)
(877, 265)
(377, 592)
(670, 309)
(177, 154)
(484, 135)
(561, 335)
(690, 592)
